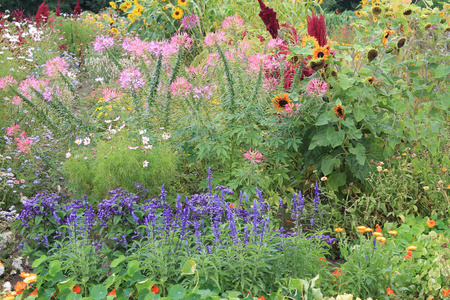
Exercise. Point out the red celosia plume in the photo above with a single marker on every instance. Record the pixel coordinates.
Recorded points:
(317, 28)
(42, 13)
(269, 17)
(77, 9)
(58, 11)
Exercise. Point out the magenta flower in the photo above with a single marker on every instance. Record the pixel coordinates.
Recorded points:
(54, 66)
(317, 28)
(214, 37)
(181, 87)
(135, 45)
(16, 100)
(189, 21)
(23, 143)
(13, 130)
(111, 94)
(103, 42)
(316, 87)
(6, 82)
(131, 79)
(269, 17)
(180, 39)
(232, 22)
(253, 156)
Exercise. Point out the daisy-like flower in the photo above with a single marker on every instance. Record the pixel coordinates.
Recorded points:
(339, 111)
(145, 140)
(148, 147)
(182, 2)
(142, 131)
(282, 101)
(321, 52)
(68, 155)
(86, 141)
(78, 141)
(309, 40)
(145, 164)
(166, 136)
(177, 13)
(324, 178)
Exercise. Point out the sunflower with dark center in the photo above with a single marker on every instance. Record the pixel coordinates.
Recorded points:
(387, 33)
(339, 111)
(321, 52)
(376, 10)
(281, 101)
(401, 42)
(182, 2)
(177, 13)
(317, 64)
(407, 12)
(372, 54)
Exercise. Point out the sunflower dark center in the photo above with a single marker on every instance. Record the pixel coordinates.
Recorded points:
(283, 103)
(320, 55)
(339, 111)
(386, 36)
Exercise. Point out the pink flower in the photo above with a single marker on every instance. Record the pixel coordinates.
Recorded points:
(54, 66)
(181, 87)
(16, 100)
(103, 42)
(180, 39)
(37, 84)
(13, 130)
(214, 37)
(136, 46)
(254, 62)
(253, 156)
(23, 144)
(189, 21)
(270, 84)
(316, 87)
(6, 81)
(131, 79)
(233, 22)
(111, 94)
(16, 181)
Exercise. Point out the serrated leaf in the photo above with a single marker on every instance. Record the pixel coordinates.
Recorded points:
(359, 151)
(336, 138)
(345, 82)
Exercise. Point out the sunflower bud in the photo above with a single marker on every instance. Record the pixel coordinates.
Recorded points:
(317, 64)
(407, 12)
(401, 42)
(372, 54)
(443, 21)
(427, 26)
(447, 29)
(376, 10)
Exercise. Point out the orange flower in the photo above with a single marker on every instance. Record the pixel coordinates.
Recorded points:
(112, 293)
(377, 234)
(261, 298)
(155, 289)
(389, 291)
(339, 111)
(392, 232)
(282, 101)
(371, 80)
(232, 205)
(76, 289)
(446, 292)
(34, 292)
(408, 254)
(381, 239)
(338, 229)
(411, 248)
(378, 228)
(368, 230)
(431, 223)
(20, 286)
(321, 52)
(444, 169)
(337, 272)
(386, 35)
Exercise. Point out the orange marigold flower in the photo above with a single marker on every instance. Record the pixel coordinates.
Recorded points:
(444, 169)
(381, 239)
(378, 228)
(361, 227)
(338, 229)
(431, 223)
(368, 230)
(377, 234)
(408, 254)
(19, 286)
(446, 292)
(392, 232)
(411, 248)
(389, 291)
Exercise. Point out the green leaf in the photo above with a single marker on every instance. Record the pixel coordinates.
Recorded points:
(441, 71)
(66, 284)
(345, 81)
(54, 267)
(359, 151)
(328, 164)
(359, 113)
(323, 119)
(98, 292)
(176, 292)
(296, 284)
(146, 284)
(335, 137)
(117, 261)
(189, 267)
(132, 267)
(39, 261)
(336, 180)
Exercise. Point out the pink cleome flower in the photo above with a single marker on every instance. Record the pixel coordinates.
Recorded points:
(316, 87)
(181, 87)
(54, 66)
(214, 37)
(253, 156)
(13, 130)
(23, 143)
(131, 79)
(6, 82)
(103, 42)
(232, 22)
(111, 94)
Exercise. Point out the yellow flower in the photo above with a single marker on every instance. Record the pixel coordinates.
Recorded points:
(177, 13)
(368, 230)
(182, 2)
(111, 21)
(392, 232)
(377, 234)
(137, 12)
(131, 17)
(114, 30)
(128, 4)
(361, 227)
(375, 19)
(320, 1)
(309, 38)
(411, 248)
(358, 13)
(113, 5)
(338, 229)
(426, 188)
(324, 178)
(321, 52)
(381, 239)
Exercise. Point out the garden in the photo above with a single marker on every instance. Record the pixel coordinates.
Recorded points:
(225, 149)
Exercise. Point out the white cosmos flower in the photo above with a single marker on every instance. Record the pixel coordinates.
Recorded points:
(78, 141)
(116, 119)
(86, 141)
(145, 140)
(145, 164)
(68, 155)
(142, 131)
(148, 147)
(166, 136)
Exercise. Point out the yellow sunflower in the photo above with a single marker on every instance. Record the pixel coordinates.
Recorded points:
(182, 2)
(282, 101)
(358, 13)
(115, 30)
(308, 38)
(387, 33)
(177, 13)
(113, 5)
(321, 52)
(128, 4)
